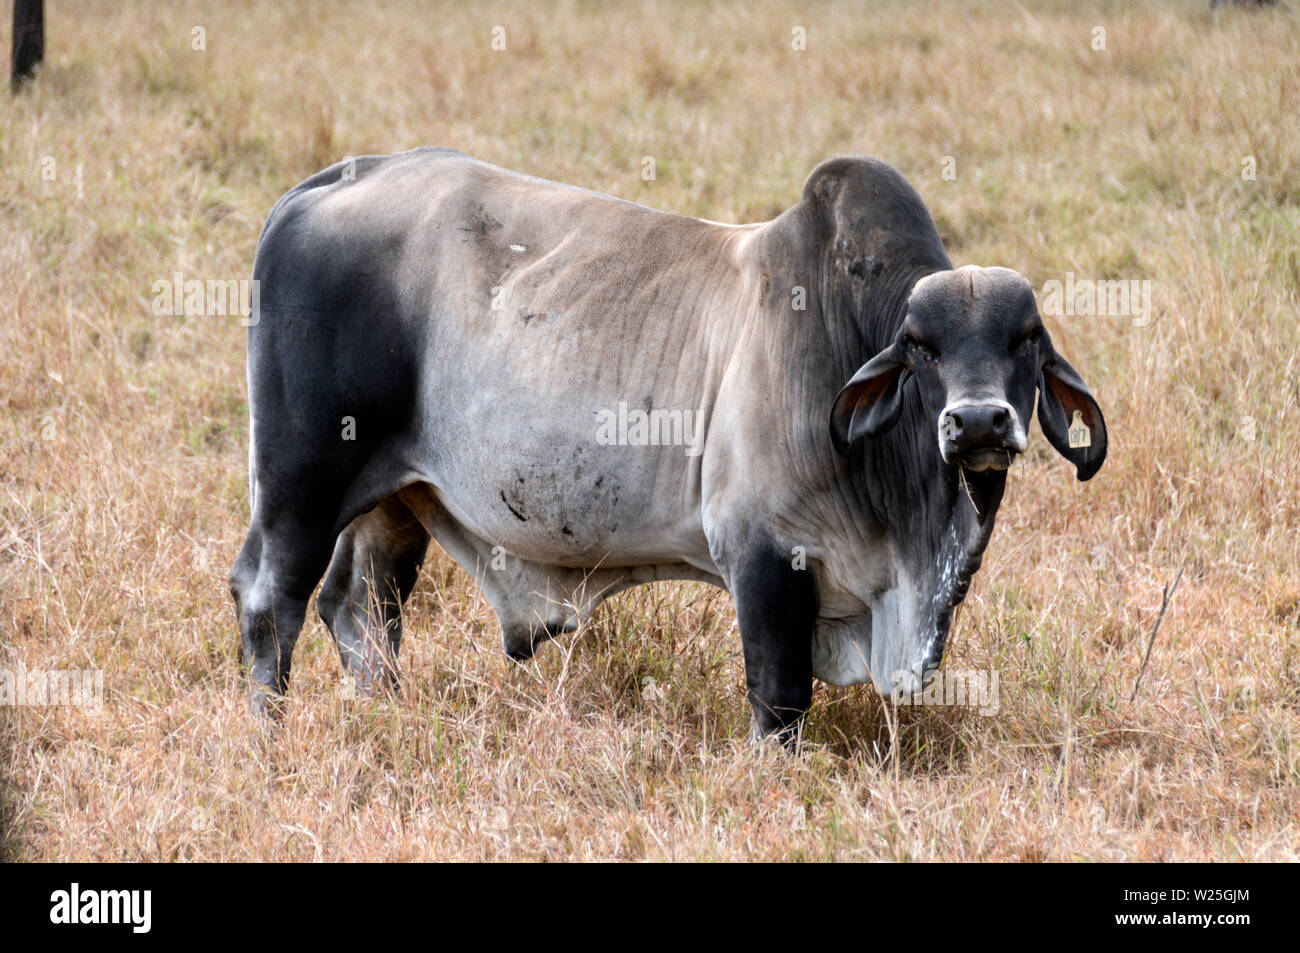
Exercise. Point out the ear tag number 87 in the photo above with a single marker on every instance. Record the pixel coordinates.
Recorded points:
(1080, 435)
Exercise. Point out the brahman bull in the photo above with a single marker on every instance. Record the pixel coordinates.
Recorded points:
(575, 394)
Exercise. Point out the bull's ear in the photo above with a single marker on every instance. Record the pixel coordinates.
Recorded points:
(1069, 416)
(871, 401)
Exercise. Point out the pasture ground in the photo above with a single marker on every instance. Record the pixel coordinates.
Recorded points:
(122, 445)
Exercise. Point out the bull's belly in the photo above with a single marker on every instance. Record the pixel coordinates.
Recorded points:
(573, 514)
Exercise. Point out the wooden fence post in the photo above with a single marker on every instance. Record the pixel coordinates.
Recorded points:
(29, 41)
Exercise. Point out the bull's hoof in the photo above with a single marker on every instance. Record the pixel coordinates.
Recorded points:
(370, 673)
(786, 738)
(264, 703)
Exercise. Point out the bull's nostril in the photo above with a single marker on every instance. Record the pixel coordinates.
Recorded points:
(949, 427)
(977, 426)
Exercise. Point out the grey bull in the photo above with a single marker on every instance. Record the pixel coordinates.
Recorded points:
(574, 394)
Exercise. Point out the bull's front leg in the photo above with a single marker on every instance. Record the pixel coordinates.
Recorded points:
(776, 605)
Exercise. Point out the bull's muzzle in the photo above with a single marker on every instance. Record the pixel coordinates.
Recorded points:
(983, 435)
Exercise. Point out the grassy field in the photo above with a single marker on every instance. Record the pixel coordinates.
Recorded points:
(1170, 156)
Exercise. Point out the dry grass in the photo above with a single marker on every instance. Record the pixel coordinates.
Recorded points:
(122, 498)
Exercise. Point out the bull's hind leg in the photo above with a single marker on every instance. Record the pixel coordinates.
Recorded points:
(277, 569)
(376, 562)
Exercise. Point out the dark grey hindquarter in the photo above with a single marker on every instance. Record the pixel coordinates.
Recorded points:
(331, 374)
(332, 364)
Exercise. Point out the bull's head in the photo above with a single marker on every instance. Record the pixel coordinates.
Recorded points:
(977, 350)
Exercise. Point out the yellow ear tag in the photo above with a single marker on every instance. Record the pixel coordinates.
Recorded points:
(1080, 435)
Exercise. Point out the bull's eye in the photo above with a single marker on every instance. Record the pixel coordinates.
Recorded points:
(1029, 340)
(927, 353)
